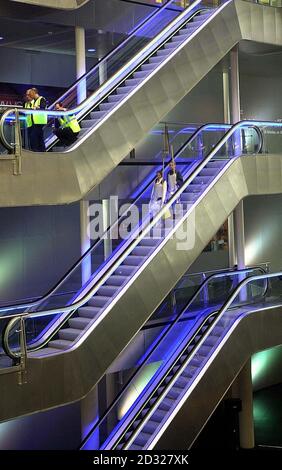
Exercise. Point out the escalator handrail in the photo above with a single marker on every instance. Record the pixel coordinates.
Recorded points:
(89, 100)
(164, 333)
(196, 347)
(89, 250)
(147, 228)
(82, 107)
(113, 51)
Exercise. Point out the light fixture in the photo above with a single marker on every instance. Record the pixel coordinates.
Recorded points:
(91, 50)
(1, 38)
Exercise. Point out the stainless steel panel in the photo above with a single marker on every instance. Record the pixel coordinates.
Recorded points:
(257, 331)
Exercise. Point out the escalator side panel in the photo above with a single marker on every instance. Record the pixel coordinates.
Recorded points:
(254, 332)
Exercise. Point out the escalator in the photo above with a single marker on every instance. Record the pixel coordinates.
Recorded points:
(176, 360)
(117, 293)
(146, 76)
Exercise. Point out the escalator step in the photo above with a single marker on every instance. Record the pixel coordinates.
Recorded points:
(163, 53)
(174, 392)
(134, 260)
(60, 344)
(132, 82)
(142, 439)
(79, 322)
(155, 59)
(116, 280)
(87, 123)
(125, 270)
(142, 250)
(166, 404)
(141, 74)
(88, 312)
(148, 242)
(134, 447)
(181, 382)
(170, 45)
(106, 106)
(97, 114)
(124, 90)
(149, 428)
(158, 416)
(44, 352)
(115, 98)
(217, 330)
(107, 291)
(70, 334)
(211, 340)
(204, 351)
(99, 301)
(148, 67)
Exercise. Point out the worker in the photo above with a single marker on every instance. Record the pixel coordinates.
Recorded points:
(67, 127)
(28, 121)
(39, 120)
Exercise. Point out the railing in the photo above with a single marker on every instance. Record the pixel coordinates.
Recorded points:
(99, 266)
(108, 420)
(136, 50)
(104, 271)
(255, 292)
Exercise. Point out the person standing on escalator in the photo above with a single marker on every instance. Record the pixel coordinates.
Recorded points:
(28, 121)
(39, 120)
(66, 127)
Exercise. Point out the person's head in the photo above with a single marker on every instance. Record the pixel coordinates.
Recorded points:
(172, 165)
(58, 106)
(28, 95)
(33, 93)
(159, 175)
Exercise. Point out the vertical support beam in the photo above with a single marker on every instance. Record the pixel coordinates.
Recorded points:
(89, 410)
(244, 388)
(85, 241)
(239, 235)
(103, 73)
(226, 113)
(80, 62)
(106, 204)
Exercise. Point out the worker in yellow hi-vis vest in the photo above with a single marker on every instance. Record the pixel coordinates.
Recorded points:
(28, 121)
(67, 127)
(39, 120)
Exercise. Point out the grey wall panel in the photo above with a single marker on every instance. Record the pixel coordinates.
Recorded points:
(263, 228)
(50, 430)
(37, 246)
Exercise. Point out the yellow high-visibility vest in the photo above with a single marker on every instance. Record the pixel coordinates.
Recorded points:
(39, 118)
(70, 121)
(28, 118)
